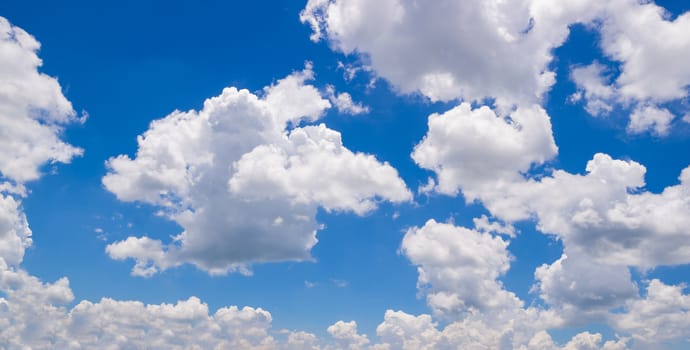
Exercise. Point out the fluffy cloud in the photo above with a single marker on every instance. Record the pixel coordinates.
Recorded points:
(448, 49)
(344, 103)
(33, 111)
(650, 49)
(34, 315)
(408, 332)
(471, 149)
(582, 290)
(458, 269)
(240, 178)
(346, 336)
(606, 211)
(15, 234)
(593, 88)
(644, 118)
(661, 315)
(502, 49)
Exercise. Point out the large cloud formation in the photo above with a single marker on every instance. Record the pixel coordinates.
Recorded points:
(34, 314)
(33, 111)
(501, 50)
(244, 181)
(498, 53)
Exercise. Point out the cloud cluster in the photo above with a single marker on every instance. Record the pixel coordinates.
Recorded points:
(244, 181)
(501, 50)
(498, 53)
(472, 50)
(33, 112)
(459, 269)
(34, 315)
(650, 49)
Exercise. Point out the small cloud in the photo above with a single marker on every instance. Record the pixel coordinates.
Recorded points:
(396, 215)
(344, 103)
(349, 70)
(428, 187)
(483, 224)
(310, 284)
(340, 283)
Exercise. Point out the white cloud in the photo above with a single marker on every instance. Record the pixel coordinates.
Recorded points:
(592, 85)
(482, 224)
(651, 50)
(447, 50)
(662, 315)
(581, 290)
(15, 234)
(346, 336)
(459, 269)
(344, 103)
(470, 149)
(607, 210)
(33, 111)
(302, 341)
(314, 167)
(408, 332)
(34, 315)
(242, 183)
(657, 120)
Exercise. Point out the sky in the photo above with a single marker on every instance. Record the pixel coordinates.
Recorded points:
(345, 174)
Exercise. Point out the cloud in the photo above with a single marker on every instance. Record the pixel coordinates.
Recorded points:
(346, 336)
(469, 148)
(33, 111)
(605, 212)
(501, 50)
(650, 49)
(582, 290)
(458, 269)
(660, 316)
(244, 181)
(657, 120)
(403, 331)
(34, 314)
(593, 88)
(447, 50)
(344, 103)
(15, 234)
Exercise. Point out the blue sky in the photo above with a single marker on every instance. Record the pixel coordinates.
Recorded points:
(544, 140)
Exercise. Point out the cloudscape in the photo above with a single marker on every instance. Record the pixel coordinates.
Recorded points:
(345, 174)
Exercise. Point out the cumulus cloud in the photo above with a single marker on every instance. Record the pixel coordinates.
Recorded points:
(501, 50)
(35, 315)
(606, 211)
(593, 88)
(446, 50)
(403, 331)
(458, 269)
(662, 315)
(15, 234)
(240, 177)
(33, 111)
(346, 336)
(605, 219)
(344, 103)
(656, 120)
(582, 290)
(471, 149)
(650, 49)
